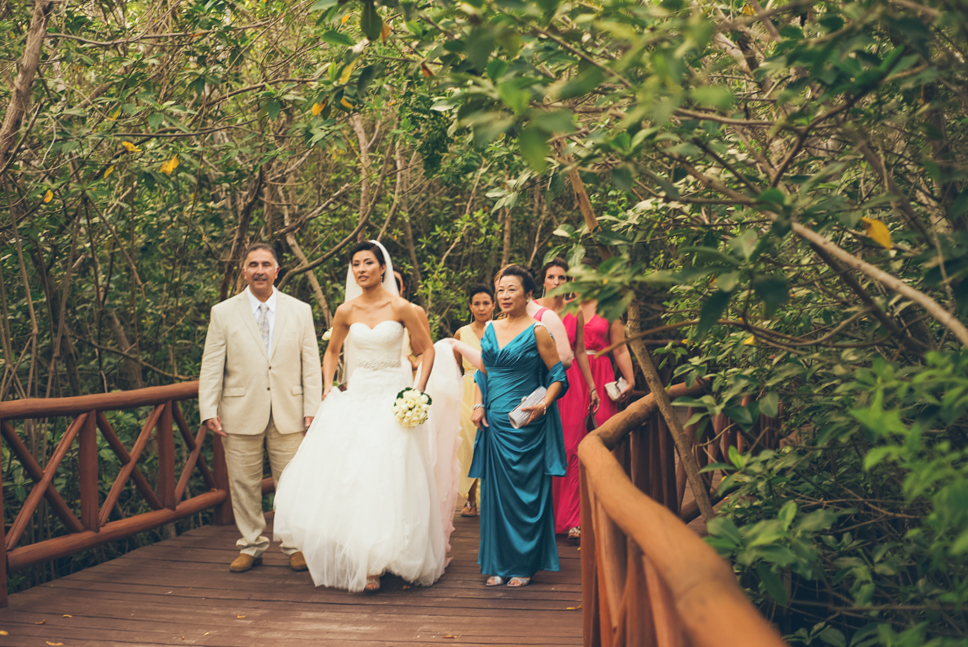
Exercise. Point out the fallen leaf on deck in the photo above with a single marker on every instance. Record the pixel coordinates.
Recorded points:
(406, 586)
(67, 615)
(573, 608)
(452, 636)
(53, 644)
(239, 617)
(40, 622)
(3, 633)
(206, 633)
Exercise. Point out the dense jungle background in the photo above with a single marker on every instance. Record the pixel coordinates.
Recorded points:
(778, 190)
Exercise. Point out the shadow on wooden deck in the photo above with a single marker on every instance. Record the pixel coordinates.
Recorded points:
(180, 592)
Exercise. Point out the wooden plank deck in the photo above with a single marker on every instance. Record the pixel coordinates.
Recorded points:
(180, 592)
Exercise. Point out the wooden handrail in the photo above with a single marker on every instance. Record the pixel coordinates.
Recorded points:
(647, 579)
(60, 407)
(93, 527)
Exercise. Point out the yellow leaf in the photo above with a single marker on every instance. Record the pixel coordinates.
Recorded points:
(345, 103)
(345, 76)
(385, 31)
(169, 167)
(41, 622)
(3, 633)
(750, 341)
(109, 171)
(451, 636)
(426, 70)
(114, 115)
(131, 148)
(345, 18)
(48, 196)
(748, 10)
(878, 231)
(317, 109)
(67, 615)
(239, 617)
(53, 644)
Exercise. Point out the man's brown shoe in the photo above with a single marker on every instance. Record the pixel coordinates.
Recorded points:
(244, 563)
(297, 562)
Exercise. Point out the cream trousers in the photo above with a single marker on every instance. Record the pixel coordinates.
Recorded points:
(244, 460)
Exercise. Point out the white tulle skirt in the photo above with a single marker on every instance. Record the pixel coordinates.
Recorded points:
(365, 496)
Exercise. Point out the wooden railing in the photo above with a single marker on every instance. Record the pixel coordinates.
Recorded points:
(648, 579)
(92, 526)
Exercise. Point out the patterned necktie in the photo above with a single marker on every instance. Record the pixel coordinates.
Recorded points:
(263, 323)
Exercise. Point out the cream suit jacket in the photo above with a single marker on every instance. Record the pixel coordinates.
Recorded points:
(242, 385)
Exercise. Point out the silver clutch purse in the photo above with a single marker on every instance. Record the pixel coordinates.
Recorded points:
(517, 415)
(614, 389)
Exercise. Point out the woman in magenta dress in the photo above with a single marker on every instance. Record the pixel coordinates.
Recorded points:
(587, 332)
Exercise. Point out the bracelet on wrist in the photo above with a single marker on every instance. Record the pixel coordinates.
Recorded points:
(478, 406)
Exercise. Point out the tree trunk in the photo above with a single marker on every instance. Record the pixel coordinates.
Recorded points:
(20, 97)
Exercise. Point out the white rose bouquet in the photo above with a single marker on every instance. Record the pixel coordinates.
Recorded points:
(411, 407)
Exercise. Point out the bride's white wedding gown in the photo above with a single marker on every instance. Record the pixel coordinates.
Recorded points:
(364, 495)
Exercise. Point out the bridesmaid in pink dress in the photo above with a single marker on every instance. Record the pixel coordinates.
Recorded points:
(574, 406)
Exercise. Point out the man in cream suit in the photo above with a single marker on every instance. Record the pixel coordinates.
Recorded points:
(260, 385)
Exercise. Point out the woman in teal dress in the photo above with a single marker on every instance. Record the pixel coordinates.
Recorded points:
(516, 465)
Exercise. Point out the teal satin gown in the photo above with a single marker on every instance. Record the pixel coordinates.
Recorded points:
(516, 465)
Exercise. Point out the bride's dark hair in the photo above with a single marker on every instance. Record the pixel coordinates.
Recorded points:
(367, 246)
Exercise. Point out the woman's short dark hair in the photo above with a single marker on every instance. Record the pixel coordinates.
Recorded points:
(480, 288)
(557, 261)
(367, 246)
(527, 281)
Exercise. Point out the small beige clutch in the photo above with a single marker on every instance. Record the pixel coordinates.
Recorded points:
(517, 415)
(614, 389)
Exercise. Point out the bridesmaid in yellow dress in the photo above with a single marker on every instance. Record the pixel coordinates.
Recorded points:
(481, 301)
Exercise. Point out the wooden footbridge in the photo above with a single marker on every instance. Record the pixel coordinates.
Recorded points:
(640, 577)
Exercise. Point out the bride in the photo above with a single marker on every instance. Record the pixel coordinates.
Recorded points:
(364, 496)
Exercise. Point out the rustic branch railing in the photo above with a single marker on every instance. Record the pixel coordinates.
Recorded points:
(93, 527)
(647, 579)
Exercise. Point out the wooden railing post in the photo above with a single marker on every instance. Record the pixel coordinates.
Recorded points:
(166, 458)
(223, 512)
(591, 625)
(87, 463)
(3, 539)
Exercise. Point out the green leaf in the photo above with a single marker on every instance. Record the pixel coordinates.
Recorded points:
(787, 513)
(713, 96)
(772, 290)
(534, 147)
(155, 119)
(960, 544)
(725, 528)
(622, 178)
(774, 196)
(745, 243)
(711, 311)
(553, 121)
(370, 22)
(772, 583)
(336, 38)
(770, 404)
(582, 84)
(833, 636)
(319, 5)
(736, 458)
(273, 108)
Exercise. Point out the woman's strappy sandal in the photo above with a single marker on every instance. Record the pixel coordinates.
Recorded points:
(494, 580)
(518, 582)
(372, 584)
(469, 510)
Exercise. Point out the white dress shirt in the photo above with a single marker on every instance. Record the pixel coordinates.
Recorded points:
(270, 315)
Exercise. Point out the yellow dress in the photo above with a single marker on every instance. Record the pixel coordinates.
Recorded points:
(468, 432)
